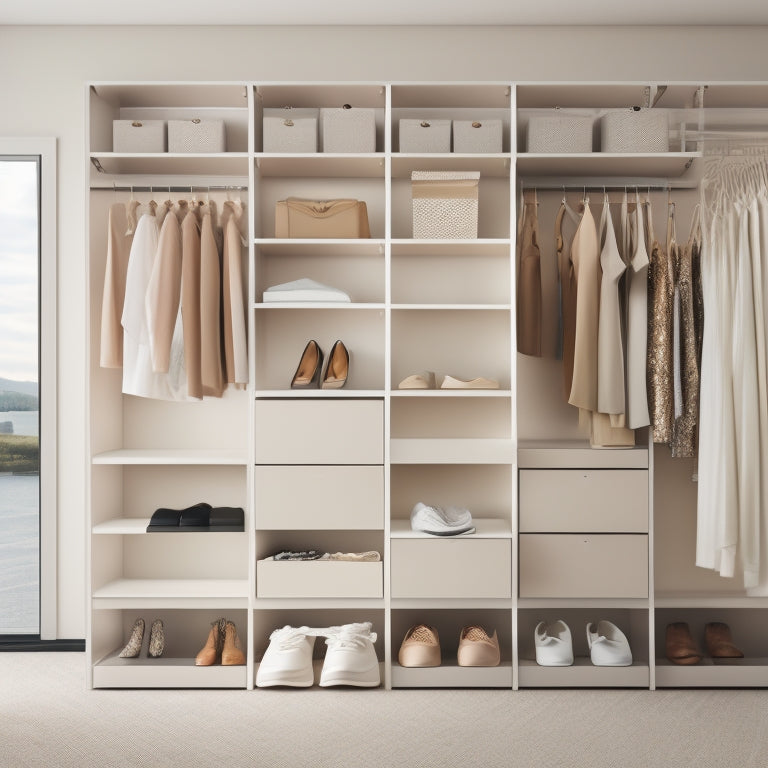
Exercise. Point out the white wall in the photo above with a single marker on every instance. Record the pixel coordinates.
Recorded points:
(43, 71)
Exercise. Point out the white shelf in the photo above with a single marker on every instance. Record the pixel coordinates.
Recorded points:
(592, 603)
(713, 673)
(646, 164)
(577, 454)
(451, 603)
(708, 600)
(582, 674)
(406, 243)
(172, 456)
(503, 393)
(319, 393)
(318, 245)
(489, 165)
(138, 525)
(320, 603)
(165, 672)
(485, 528)
(454, 307)
(159, 164)
(175, 95)
(318, 305)
(321, 165)
(172, 593)
(452, 451)
(452, 676)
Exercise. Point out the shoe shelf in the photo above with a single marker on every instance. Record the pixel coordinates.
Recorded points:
(452, 451)
(172, 593)
(125, 456)
(582, 674)
(165, 672)
(485, 528)
(321, 603)
(452, 676)
(708, 600)
(499, 393)
(594, 603)
(749, 672)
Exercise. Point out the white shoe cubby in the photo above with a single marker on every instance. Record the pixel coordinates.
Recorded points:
(340, 470)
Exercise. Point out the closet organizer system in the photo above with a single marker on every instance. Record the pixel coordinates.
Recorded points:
(563, 531)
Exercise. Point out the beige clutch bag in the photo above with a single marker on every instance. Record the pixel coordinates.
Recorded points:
(295, 217)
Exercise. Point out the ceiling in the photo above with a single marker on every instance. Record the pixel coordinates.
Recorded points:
(387, 12)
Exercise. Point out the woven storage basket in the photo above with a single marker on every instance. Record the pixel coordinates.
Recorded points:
(422, 136)
(477, 136)
(290, 130)
(560, 133)
(196, 136)
(634, 130)
(444, 204)
(138, 135)
(348, 129)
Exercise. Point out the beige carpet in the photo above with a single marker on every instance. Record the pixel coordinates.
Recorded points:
(49, 720)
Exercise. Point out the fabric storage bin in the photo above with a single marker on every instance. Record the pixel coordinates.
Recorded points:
(634, 130)
(347, 129)
(445, 204)
(196, 135)
(290, 130)
(321, 218)
(419, 136)
(138, 136)
(477, 136)
(560, 133)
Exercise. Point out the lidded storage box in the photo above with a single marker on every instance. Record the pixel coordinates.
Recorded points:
(420, 136)
(445, 204)
(196, 135)
(560, 133)
(348, 129)
(635, 130)
(477, 136)
(290, 130)
(138, 136)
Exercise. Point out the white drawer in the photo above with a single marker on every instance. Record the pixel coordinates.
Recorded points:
(289, 498)
(568, 500)
(318, 578)
(443, 567)
(317, 432)
(583, 565)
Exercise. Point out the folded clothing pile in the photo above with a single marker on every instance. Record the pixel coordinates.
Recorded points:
(198, 517)
(441, 521)
(304, 289)
(313, 554)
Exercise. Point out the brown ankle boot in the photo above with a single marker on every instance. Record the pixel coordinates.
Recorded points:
(231, 653)
(680, 648)
(717, 638)
(209, 654)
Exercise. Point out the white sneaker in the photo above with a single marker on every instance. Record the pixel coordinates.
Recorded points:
(351, 658)
(288, 659)
(608, 646)
(554, 646)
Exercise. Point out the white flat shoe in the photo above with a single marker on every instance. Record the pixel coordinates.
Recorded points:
(449, 382)
(554, 645)
(608, 646)
(423, 380)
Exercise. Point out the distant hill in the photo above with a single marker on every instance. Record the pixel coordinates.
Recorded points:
(27, 387)
(18, 401)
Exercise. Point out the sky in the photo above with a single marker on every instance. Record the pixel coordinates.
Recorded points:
(18, 270)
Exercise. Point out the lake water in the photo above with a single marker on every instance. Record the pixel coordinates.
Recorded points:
(19, 553)
(24, 422)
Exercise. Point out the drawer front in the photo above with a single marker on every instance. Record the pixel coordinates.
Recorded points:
(451, 568)
(583, 565)
(319, 498)
(316, 432)
(319, 579)
(569, 500)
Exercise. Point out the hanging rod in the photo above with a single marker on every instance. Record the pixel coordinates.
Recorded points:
(596, 187)
(172, 188)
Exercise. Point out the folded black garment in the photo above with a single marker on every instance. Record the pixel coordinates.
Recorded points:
(194, 517)
(164, 520)
(227, 519)
(198, 516)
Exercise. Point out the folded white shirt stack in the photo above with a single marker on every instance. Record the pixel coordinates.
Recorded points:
(441, 521)
(304, 289)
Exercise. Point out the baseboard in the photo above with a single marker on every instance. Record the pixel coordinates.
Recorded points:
(34, 643)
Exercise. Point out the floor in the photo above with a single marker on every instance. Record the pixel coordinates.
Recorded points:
(49, 720)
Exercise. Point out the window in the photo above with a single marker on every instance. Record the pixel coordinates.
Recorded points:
(27, 389)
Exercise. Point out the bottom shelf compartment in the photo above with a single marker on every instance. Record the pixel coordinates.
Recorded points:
(749, 672)
(452, 676)
(186, 632)
(582, 674)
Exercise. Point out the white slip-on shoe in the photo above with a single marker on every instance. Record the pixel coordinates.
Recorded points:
(423, 380)
(608, 646)
(554, 645)
(351, 658)
(288, 659)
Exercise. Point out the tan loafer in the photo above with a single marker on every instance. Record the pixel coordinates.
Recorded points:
(477, 649)
(420, 647)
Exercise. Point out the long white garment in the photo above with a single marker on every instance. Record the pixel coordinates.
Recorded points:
(637, 329)
(235, 339)
(610, 347)
(138, 377)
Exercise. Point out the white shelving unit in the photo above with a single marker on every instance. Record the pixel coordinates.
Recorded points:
(341, 469)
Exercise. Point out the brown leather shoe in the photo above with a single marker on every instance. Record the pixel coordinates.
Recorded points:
(717, 638)
(680, 648)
